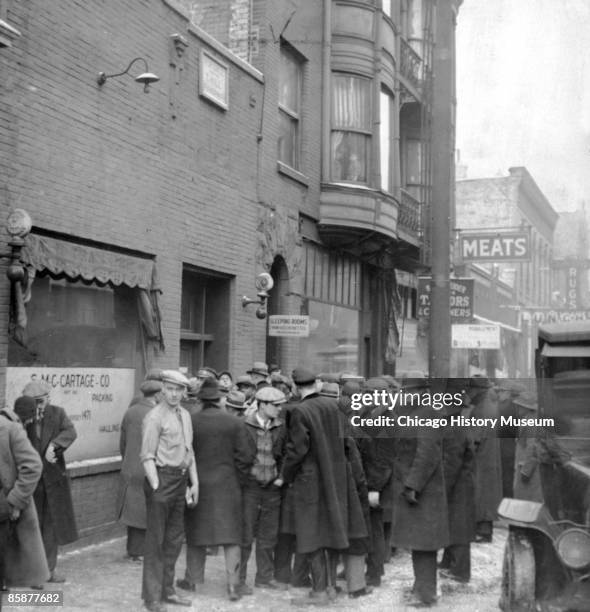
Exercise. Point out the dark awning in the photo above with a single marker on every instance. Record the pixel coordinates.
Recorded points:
(88, 263)
(565, 350)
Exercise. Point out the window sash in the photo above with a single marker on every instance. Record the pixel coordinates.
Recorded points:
(351, 103)
(349, 156)
(288, 143)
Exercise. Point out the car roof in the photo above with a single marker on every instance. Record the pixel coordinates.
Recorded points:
(572, 331)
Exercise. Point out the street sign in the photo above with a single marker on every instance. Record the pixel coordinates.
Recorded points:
(507, 246)
(475, 336)
(288, 326)
(461, 298)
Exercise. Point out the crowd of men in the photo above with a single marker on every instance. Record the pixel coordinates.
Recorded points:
(272, 463)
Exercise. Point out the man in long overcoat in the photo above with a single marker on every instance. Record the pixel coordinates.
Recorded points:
(459, 472)
(22, 557)
(420, 519)
(224, 458)
(52, 433)
(131, 502)
(316, 466)
(488, 466)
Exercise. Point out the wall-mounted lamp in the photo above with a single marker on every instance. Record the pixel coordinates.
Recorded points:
(264, 284)
(18, 225)
(146, 77)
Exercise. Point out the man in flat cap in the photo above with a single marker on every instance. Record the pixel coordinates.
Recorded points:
(132, 511)
(51, 433)
(169, 462)
(262, 493)
(315, 464)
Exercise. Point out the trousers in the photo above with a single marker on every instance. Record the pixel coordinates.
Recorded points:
(196, 557)
(164, 533)
(424, 564)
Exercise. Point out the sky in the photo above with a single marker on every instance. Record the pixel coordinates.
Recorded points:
(523, 93)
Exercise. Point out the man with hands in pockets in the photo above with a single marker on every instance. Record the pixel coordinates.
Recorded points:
(169, 463)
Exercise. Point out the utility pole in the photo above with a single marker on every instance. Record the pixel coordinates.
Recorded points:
(443, 186)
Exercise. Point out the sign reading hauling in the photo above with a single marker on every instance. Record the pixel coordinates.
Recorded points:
(512, 246)
(289, 326)
(475, 336)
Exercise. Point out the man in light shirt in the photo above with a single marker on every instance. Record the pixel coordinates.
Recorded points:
(169, 463)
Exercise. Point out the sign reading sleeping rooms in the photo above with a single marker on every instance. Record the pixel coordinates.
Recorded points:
(288, 326)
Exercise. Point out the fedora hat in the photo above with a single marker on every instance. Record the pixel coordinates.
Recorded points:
(209, 390)
(259, 367)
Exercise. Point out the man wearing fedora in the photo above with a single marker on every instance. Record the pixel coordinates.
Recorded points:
(315, 465)
(259, 374)
(169, 462)
(224, 458)
(51, 433)
(131, 503)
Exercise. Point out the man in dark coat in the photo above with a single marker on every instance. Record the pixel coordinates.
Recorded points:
(224, 458)
(420, 519)
(51, 434)
(488, 468)
(376, 449)
(131, 503)
(459, 471)
(315, 463)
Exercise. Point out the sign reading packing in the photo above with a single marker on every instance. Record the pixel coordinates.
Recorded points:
(506, 246)
(95, 399)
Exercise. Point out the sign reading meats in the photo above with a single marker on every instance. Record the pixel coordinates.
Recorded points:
(505, 246)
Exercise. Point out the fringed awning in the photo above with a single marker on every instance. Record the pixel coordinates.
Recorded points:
(88, 263)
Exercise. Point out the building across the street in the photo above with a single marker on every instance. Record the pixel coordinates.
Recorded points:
(290, 138)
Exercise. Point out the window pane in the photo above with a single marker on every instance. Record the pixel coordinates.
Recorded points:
(386, 4)
(288, 140)
(78, 324)
(332, 345)
(349, 156)
(351, 102)
(386, 108)
(289, 82)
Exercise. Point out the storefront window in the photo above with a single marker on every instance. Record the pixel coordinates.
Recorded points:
(78, 324)
(332, 345)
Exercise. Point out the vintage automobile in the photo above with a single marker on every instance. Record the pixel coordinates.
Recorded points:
(547, 555)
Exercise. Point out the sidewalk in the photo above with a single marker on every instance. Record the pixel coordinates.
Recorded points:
(100, 578)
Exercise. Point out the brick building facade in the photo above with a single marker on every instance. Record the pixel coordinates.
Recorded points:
(282, 137)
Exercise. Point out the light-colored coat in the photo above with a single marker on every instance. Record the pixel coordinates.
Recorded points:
(20, 470)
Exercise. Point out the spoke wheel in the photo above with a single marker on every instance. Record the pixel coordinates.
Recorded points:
(518, 574)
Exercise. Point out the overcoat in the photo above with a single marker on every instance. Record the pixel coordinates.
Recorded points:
(57, 428)
(20, 470)
(417, 464)
(488, 466)
(459, 472)
(224, 457)
(131, 501)
(316, 465)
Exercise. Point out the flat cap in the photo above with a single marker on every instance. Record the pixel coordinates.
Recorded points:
(154, 374)
(271, 395)
(148, 387)
(25, 407)
(527, 399)
(303, 376)
(415, 383)
(206, 372)
(36, 389)
(330, 389)
(175, 377)
(376, 384)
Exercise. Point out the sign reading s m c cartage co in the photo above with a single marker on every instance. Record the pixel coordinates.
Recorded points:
(95, 400)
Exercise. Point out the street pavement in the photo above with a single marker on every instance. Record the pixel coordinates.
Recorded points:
(100, 578)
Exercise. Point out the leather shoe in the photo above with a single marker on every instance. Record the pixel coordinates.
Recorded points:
(176, 599)
(449, 575)
(155, 606)
(360, 592)
(271, 584)
(56, 578)
(233, 592)
(185, 585)
(315, 598)
(244, 589)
